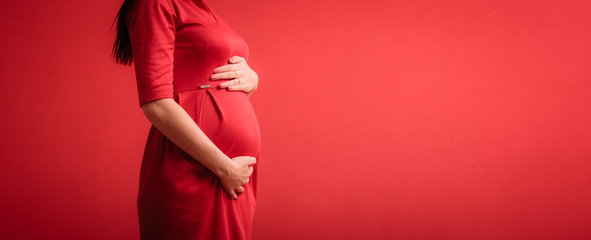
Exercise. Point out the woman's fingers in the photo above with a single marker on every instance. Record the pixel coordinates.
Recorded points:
(234, 196)
(244, 79)
(236, 59)
(226, 75)
(248, 160)
(239, 176)
(231, 193)
(234, 84)
(227, 68)
(250, 171)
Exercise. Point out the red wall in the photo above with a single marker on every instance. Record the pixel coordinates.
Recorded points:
(379, 119)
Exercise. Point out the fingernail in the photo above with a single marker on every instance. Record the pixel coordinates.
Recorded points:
(230, 87)
(214, 77)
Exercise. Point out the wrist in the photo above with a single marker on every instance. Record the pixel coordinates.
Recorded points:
(224, 165)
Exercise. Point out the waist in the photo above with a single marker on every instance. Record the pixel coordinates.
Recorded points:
(211, 85)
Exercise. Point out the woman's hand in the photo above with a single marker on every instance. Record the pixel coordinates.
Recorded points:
(237, 174)
(243, 78)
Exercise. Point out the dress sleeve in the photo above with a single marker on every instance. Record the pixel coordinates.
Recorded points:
(152, 29)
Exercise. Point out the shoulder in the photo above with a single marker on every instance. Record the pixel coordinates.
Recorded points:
(155, 5)
(154, 9)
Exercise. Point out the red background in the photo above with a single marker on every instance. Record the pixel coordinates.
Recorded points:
(379, 119)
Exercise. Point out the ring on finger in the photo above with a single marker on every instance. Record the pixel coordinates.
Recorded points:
(235, 74)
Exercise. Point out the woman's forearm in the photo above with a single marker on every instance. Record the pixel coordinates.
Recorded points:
(174, 122)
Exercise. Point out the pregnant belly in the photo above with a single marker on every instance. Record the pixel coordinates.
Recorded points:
(227, 118)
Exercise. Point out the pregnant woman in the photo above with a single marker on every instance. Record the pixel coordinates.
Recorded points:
(198, 178)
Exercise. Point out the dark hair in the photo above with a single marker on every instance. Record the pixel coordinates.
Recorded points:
(122, 53)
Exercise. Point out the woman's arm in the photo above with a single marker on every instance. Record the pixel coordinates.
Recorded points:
(174, 122)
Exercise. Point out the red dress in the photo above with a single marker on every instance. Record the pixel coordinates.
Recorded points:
(176, 45)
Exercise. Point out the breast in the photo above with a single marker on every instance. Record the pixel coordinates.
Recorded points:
(201, 48)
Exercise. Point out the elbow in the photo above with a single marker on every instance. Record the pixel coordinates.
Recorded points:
(147, 108)
(154, 108)
(150, 109)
